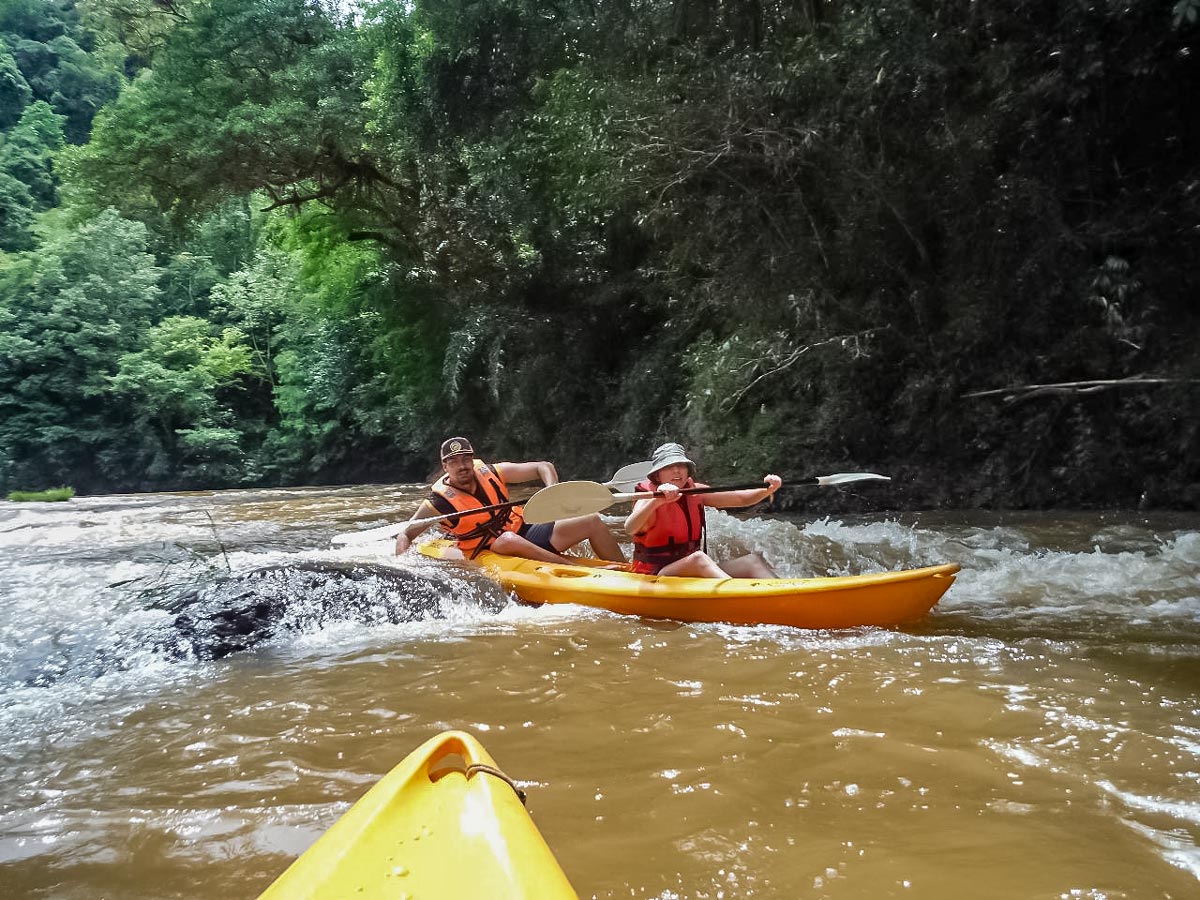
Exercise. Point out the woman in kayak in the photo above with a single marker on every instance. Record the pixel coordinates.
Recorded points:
(668, 530)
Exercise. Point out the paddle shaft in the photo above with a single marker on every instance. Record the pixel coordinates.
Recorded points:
(429, 520)
(387, 532)
(580, 498)
(630, 474)
(754, 485)
(471, 512)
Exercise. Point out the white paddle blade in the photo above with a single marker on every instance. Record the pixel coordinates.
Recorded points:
(628, 476)
(382, 533)
(567, 499)
(848, 477)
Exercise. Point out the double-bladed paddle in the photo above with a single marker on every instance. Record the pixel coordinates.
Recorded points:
(581, 498)
(623, 479)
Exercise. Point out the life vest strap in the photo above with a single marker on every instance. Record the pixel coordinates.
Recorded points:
(662, 554)
(487, 531)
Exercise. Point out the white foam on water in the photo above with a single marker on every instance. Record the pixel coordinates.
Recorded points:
(62, 569)
(79, 529)
(1181, 811)
(1003, 572)
(1174, 845)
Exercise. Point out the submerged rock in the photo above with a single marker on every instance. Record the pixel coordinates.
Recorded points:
(238, 611)
(209, 614)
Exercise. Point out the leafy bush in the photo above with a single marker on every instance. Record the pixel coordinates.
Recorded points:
(52, 495)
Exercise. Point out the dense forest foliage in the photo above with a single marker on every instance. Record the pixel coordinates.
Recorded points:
(259, 242)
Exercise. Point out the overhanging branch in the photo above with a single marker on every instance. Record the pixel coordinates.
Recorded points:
(297, 199)
(844, 340)
(1075, 388)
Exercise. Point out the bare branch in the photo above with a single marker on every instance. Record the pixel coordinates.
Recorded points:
(298, 199)
(1075, 388)
(840, 339)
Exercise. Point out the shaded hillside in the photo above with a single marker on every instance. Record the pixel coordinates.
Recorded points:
(948, 240)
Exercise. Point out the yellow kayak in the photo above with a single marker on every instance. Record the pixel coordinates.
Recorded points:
(445, 824)
(886, 598)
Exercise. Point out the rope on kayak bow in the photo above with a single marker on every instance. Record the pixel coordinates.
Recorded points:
(492, 770)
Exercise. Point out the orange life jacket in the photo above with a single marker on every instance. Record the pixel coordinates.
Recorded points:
(676, 530)
(475, 533)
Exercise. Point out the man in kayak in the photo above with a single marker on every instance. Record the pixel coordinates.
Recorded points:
(470, 483)
(668, 530)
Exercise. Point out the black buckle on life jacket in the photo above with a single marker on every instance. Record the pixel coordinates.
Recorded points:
(488, 531)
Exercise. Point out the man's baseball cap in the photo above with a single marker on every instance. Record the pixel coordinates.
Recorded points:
(456, 446)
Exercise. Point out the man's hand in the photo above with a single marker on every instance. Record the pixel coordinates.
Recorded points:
(403, 542)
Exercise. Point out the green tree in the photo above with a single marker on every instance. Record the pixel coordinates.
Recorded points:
(27, 152)
(65, 322)
(139, 27)
(210, 250)
(257, 300)
(177, 385)
(246, 96)
(16, 214)
(15, 92)
(52, 52)
(357, 361)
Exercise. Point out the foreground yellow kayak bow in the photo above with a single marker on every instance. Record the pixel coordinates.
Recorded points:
(445, 824)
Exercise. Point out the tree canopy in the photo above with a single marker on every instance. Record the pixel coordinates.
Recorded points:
(800, 230)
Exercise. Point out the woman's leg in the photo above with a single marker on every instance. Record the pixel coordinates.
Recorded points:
(752, 565)
(695, 565)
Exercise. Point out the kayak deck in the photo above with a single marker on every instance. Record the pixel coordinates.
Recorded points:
(884, 598)
(446, 824)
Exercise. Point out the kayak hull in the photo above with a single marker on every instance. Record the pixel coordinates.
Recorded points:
(444, 824)
(884, 599)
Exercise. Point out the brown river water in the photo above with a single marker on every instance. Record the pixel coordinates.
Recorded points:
(1037, 736)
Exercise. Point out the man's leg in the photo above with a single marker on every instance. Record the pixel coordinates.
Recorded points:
(569, 532)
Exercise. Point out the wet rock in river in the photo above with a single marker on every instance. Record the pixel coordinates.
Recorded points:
(238, 611)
